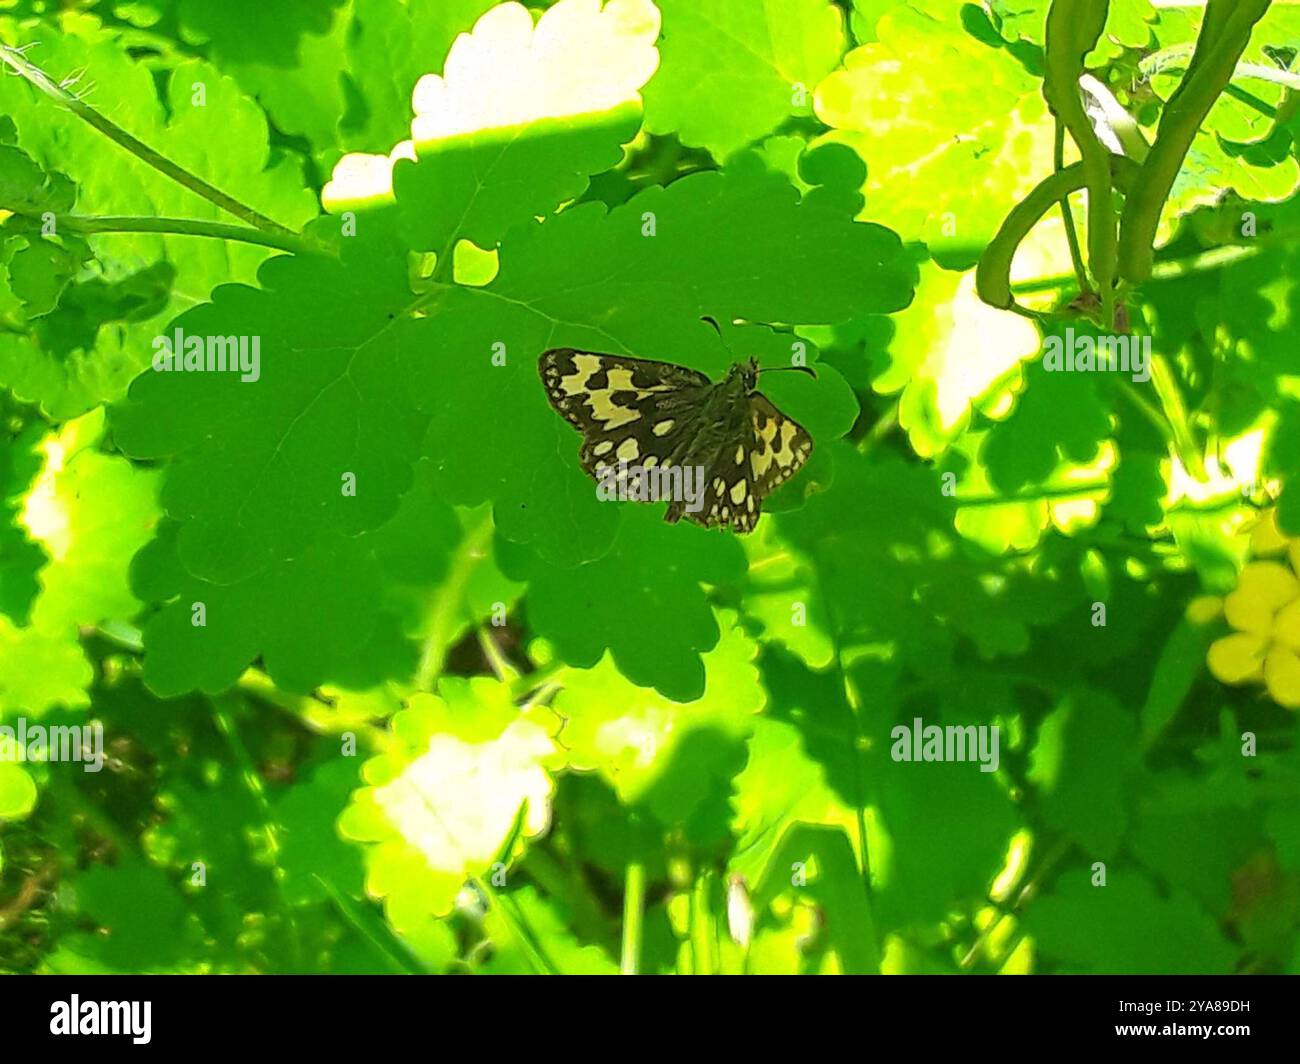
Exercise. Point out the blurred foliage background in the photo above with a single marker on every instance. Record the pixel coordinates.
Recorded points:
(467, 719)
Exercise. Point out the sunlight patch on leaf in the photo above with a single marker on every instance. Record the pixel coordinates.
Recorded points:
(89, 512)
(577, 60)
(1069, 498)
(511, 95)
(444, 799)
(944, 163)
(652, 749)
(755, 63)
(952, 352)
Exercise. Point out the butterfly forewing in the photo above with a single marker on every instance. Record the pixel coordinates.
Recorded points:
(607, 392)
(628, 409)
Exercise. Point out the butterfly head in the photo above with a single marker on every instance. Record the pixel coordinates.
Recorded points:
(744, 374)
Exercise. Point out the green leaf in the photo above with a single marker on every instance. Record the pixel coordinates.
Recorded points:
(337, 612)
(521, 117)
(144, 924)
(20, 556)
(950, 356)
(615, 603)
(781, 595)
(442, 801)
(674, 758)
(17, 792)
(1181, 662)
(944, 164)
(1125, 928)
(1083, 763)
(191, 110)
(545, 921)
(89, 512)
(248, 29)
(780, 785)
(835, 885)
(754, 64)
(239, 447)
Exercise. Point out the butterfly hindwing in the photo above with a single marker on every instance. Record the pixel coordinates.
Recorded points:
(746, 471)
(730, 495)
(779, 446)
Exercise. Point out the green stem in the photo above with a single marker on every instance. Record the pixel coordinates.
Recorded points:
(855, 706)
(1026, 895)
(448, 602)
(533, 681)
(1067, 215)
(633, 914)
(310, 711)
(1173, 59)
(1170, 395)
(501, 667)
(993, 273)
(373, 930)
(1165, 270)
(1045, 493)
(187, 227)
(702, 951)
(1128, 388)
(13, 59)
(1224, 34)
(120, 634)
(564, 880)
(515, 920)
(1072, 30)
(225, 722)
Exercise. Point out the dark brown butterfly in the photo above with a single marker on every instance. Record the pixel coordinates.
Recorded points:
(730, 445)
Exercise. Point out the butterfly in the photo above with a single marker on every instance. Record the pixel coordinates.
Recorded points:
(640, 418)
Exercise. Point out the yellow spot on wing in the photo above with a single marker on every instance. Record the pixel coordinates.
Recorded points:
(609, 413)
(585, 367)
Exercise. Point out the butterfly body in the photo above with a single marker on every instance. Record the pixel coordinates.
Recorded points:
(640, 415)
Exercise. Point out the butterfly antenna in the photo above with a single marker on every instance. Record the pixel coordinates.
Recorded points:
(771, 369)
(718, 329)
(777, 369)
